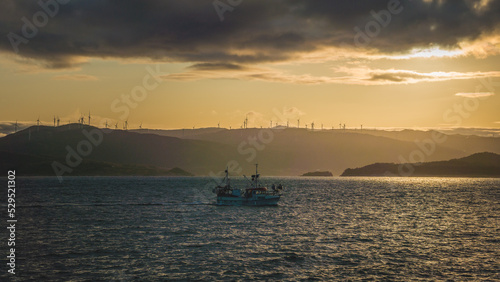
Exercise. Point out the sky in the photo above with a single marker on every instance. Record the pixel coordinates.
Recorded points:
(203, 63)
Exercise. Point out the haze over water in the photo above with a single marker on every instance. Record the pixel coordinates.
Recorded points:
(158, 228)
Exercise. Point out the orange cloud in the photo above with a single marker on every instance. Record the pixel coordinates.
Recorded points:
(475, 94)
(342, 75)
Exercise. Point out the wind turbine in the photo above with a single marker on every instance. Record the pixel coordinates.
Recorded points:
(312, 126)
(15, 127)
(125, 125)
(106, 124)
(58, 120)
(140, 126)
(54, 121)
(298, 123)
(38, 124)
(89, 117)
(287, 123)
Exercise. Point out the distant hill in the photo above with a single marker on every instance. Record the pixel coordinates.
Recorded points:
(297, 150)
(477, 165)
(279, 151)
(180, 133)
(147, 152)
(293, 151)
(318, 173)
(29, 165)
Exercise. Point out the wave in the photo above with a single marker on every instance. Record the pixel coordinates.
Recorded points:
(50, 205)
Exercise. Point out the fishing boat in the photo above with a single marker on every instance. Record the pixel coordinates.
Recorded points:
(254, 195)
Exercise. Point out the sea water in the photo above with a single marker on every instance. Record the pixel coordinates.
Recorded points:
(168, 228)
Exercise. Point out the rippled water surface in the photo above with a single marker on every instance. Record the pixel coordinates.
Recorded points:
(159, 228)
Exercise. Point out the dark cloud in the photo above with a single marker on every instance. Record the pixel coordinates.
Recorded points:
(387, 77)
(266, 31)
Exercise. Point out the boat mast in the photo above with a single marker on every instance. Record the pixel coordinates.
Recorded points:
(226, 178)
(256, 176)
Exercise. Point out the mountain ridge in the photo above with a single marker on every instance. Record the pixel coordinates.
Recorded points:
(283, 151)
(485, 164)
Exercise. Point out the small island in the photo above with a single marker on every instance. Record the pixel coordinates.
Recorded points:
(477, 165)
(318, 173)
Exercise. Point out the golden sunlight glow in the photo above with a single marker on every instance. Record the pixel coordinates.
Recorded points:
(433, 52)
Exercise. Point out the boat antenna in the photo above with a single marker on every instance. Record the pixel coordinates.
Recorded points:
(256, 175)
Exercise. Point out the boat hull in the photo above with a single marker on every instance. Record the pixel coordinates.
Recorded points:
(252, 201)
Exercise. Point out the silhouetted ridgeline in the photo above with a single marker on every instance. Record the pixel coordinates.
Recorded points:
(28, 165)
(477, 165)
(289, 151)
(318, 173)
